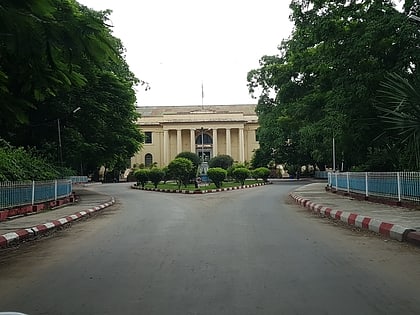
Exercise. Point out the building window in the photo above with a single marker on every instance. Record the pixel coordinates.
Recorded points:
(206, 139)
(148, 160)
(148, 137)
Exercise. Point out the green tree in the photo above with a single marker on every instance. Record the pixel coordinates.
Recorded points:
(142, 176)
(42, 43)
(180, 170)
(217, 175)
(156, 175)
(324, 82)
(261, 172)
(194, 158)
(224, 161)
(58, 56)
(241, 174)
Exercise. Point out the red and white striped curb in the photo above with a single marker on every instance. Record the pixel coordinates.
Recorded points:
(23, 234)
(393, 231)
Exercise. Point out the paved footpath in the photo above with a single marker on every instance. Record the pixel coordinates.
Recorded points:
(395, 222)
(25, 227)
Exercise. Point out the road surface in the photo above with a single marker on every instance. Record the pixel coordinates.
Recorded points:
(248, 251)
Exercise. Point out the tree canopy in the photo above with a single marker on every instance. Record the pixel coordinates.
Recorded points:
(324, 83)
(58, 56)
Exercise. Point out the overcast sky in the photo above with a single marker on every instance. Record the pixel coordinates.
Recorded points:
(177, 45)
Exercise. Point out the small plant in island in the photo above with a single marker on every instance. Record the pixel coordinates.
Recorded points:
(156, 175)
(142, 176)
(217, 175)
(241, 174)
(261, 172)
(181, 169)
(223, 161)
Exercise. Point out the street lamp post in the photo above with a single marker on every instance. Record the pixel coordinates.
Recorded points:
(202, 144)
(60, 149)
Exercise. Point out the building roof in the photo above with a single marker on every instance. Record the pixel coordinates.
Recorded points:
(153, 111)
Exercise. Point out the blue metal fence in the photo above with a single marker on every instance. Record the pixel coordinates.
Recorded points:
(401, 186)
(79, 179)
(14, 194)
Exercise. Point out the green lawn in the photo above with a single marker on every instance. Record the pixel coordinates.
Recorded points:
(173, 185)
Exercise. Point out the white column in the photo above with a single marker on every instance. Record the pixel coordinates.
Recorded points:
(192, 140)
(241, 145)
(178, 141)
(165, 147)
(228, 142)
(215, 151)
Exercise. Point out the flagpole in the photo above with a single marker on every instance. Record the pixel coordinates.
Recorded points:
(202, 95)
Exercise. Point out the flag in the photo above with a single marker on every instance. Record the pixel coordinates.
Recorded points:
(202, 90)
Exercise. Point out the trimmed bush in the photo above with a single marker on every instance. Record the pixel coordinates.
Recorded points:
(156, 175)
(261, 172)
(217, 175)
(180, 169)
(241, 174)
(222, 161)
(142, 176)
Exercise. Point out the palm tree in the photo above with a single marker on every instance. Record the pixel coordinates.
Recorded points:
(400, 111)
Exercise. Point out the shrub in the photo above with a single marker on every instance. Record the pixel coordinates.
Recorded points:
(180, 170)
(222, 161)
(241, 174)
(261, 172)
(217, 175)
(194, 158)
(233, 167)
(156, 175)
(142, 176)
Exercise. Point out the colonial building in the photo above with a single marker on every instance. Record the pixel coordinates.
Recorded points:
(207, 131)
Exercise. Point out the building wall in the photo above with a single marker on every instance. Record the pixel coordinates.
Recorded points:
(159, 120)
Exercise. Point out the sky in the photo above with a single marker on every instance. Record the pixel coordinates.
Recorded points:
(185, 47)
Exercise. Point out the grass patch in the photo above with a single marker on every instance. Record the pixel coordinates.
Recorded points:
(191, 187)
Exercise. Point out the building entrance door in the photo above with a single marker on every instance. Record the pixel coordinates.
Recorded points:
(205, 154)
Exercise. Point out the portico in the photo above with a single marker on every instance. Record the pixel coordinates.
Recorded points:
(215, 130)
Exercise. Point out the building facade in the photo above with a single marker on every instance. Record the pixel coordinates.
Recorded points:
(207, 131)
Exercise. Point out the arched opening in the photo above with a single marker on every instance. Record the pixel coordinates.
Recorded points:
(148, 160)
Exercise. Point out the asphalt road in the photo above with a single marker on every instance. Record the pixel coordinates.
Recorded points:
(239, 252)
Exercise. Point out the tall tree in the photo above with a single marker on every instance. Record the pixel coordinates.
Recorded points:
(58, 56)
(324, 82)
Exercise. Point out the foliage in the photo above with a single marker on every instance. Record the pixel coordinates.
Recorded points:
(261, 172)
(400, 108)
(57, 56)
(217, 175)
(180, 170)
(166, 175)
(18, 164)
(233, 167)
(324, 82)
(223, 161)
(156, 175)
(241, 174)
(194, 158)
(142, 176)
(260, 159)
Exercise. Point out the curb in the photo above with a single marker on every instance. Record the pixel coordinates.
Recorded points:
(192, 192)
(390, 230)
(24, 234)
